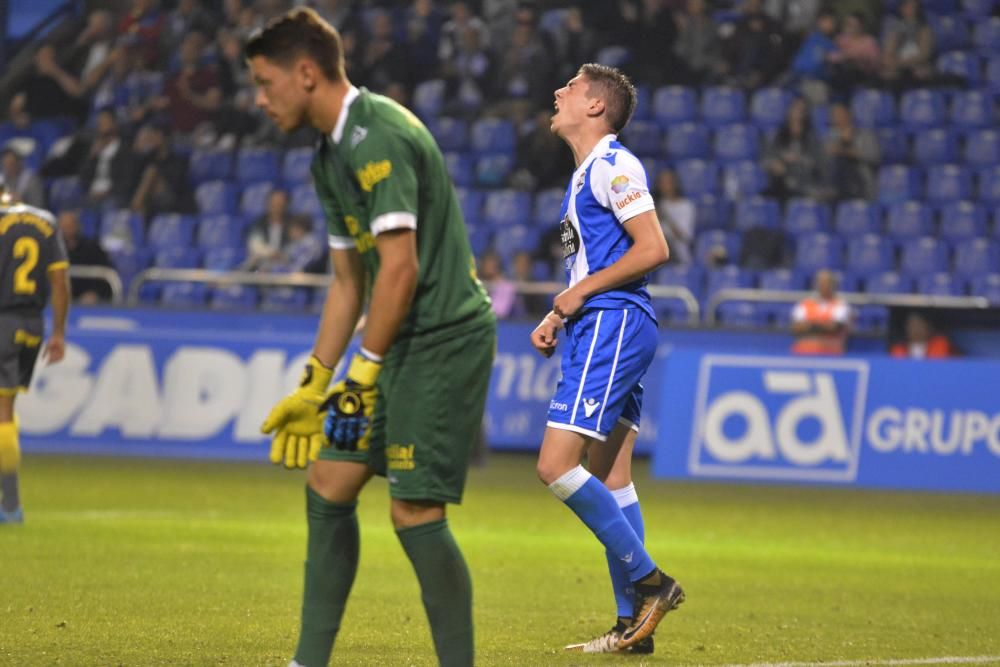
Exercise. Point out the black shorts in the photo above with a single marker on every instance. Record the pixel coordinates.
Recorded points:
(20, 343)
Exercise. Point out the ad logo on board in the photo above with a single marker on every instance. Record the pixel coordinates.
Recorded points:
(778, 418)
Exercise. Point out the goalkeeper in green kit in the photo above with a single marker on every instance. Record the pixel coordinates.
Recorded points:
(412, 401)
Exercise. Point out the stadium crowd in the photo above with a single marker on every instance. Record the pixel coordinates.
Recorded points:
(781, 137)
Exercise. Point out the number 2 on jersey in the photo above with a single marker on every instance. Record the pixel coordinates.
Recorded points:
(27, 248)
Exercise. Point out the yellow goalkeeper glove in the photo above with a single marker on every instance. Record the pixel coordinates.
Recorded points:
(297, 419)
(351, 403)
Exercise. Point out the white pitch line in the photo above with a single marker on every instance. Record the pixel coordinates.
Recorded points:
(947, 660)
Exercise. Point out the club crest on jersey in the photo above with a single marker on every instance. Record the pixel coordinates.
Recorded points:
(619, 184)
(579, 181)
(358, 135)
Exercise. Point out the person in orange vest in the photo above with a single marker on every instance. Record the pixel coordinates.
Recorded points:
(821, 321)
(921, 341)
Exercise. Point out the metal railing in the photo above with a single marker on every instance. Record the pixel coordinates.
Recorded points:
(853, 298)
(107, 274)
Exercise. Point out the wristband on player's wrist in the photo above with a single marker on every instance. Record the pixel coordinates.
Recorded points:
(364, 370)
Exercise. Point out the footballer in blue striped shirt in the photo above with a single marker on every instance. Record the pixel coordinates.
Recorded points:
(611, 241)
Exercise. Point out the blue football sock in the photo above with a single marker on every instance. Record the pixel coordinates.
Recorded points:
(628, 501)
(593, 503)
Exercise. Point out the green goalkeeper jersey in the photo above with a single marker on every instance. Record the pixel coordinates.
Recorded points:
(380, 169)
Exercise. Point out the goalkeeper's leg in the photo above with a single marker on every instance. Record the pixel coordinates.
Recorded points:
(10, 460)
(445, 585)
(331, 556)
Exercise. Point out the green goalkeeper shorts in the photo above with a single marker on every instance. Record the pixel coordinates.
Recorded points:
(428, 415)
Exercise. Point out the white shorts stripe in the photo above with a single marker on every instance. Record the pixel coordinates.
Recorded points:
(614, 367)
(586, 366)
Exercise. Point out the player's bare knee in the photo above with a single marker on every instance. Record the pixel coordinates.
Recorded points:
(615, 479)
(331, 482)
(549, 471)
(406, 514)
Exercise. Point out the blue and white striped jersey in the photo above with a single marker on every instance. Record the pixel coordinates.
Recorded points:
(607, 189)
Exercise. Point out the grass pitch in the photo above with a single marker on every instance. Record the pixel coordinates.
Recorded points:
(137, 562)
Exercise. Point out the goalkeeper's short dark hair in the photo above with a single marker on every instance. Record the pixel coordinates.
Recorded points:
(299, 32)
(618, 93)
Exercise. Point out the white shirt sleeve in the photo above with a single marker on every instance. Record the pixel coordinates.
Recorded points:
(620, 184)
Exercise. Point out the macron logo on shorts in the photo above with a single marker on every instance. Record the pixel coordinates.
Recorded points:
(589, 406)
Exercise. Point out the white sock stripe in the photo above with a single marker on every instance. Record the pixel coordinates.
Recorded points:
(614, 367)
(569, 483)
(626, 496)
(586, 366)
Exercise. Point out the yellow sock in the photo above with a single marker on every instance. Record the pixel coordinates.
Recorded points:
(10, 448)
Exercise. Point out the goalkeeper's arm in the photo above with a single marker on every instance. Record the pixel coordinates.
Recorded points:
(393, 290)
(344, 300)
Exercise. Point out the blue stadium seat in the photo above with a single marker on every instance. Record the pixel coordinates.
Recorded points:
(757, 212)
(461, 167)
(508, 240)
(961, 64)
(492, 169)
(451, 134)
(922, 108)
(90, 222)
(507, 207)
(681, 275)
(989, 186)
(744, 179)
(873, 108)
(768, 107)
(170, 230)
(977, 9)
(988, 286)
(898, 182)
(65, 192)
(428, 98)
(894, 146)
(253, 200)
(723, 105)
(923, 255)
(738, 141)
(122, 230)
(869, 253)
(935, 146)
(295, 168)
(220, 231)
(743, 314)
(613, 56)
(304, 200)
(986, 35)
(856, 217)
(982, 148)
(806, 215)
(643, 103)
(783, 280)
(687, 140)
(184, 294)
(711, 212)
(234, 297)
(971, 109)
(698, 176)
(962, 220)
(819, 116)
(643, 137)
(674, 104)
(728, 277)
(848, 281)
(871, 319)
(223, 258)
(819, 251)
(256, 164)
(993, 75)
(951, 32)
(210, 165)
(216, 197)
(471, 203)
(977, 257)
(948, 182)
(493, 135)
(178, 258)
(285, 299)
(129, 262)
(888, 282)
(548, 205)
(709, 241)
(940, 284)
(909, 219)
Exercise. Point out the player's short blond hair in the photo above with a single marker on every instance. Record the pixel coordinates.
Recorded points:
(618, 93)
(297, 33)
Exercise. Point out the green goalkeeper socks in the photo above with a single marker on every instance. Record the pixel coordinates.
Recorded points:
(446, 589)
(331, 563)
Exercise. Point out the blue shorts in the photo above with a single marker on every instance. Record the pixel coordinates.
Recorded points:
(606, 354)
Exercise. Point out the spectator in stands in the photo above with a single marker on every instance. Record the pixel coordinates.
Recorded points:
(852, 154)
(502, 291)
(303, 249)
(921, 341)
(697, 45)
(755, 53)
(142, 27)
(524, 70)
(575, 41)
(907, 57)
(794, 157)
(528, 305)
(763, 248)
(856, 60)
(677, 216)
(162, 185)
(467, 71)
(189, 16)
(237, 116)
(821, 322)
(83, 251)
(653, 59)
(797, 16)
(268, 234)
(456, 29)
(811, 62)
(382, 61)
(192, 95)
(107, 173)
(19, 177)
(423, 21)
(543, 161)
